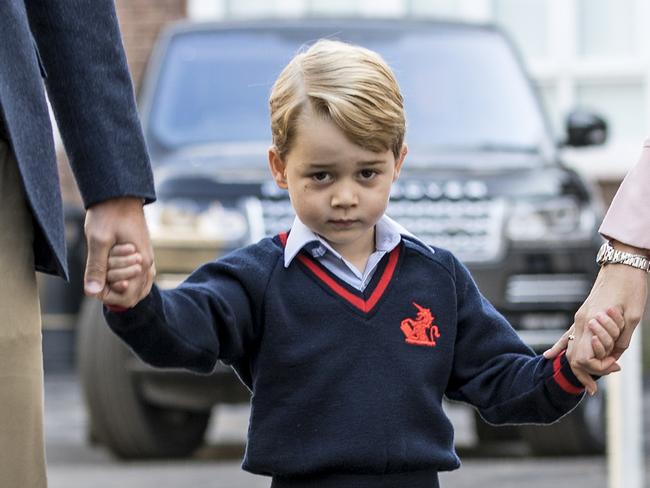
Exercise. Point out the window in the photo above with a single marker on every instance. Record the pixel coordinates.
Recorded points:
(527, 22)
(606, 28)
(621, 103)
(427, 8)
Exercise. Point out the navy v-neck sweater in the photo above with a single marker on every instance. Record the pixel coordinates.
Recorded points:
(345, 381)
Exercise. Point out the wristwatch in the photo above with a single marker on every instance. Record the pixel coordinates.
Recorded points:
(608, 255)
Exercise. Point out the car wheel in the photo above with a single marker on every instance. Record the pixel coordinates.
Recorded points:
(582, 432)
(119, 417)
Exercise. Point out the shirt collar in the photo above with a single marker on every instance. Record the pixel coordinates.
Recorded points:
(388, 235)
(299, 237)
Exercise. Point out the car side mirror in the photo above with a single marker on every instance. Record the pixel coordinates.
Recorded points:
(585, 129)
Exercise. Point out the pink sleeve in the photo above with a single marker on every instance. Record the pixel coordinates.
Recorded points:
(628, 217)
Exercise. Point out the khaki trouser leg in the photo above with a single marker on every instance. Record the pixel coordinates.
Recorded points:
(22, 453)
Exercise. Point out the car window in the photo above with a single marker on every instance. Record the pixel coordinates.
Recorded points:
(463, 89)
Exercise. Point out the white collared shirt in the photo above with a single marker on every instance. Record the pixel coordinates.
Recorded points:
(388, 235)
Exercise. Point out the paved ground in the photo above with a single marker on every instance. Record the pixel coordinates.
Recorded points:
(74, 464)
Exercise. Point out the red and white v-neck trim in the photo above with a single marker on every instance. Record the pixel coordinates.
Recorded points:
(328, 280)
(387, 235)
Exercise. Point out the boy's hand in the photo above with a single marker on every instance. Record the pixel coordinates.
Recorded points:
(124, 266)
(605, 330)
(592, 350)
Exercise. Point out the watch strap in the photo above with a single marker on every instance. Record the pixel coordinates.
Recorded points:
(610, 255)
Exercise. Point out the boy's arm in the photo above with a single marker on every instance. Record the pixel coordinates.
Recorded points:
(497, 373)
(213, 315)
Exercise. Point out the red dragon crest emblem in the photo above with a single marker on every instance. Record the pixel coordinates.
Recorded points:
(420, 331)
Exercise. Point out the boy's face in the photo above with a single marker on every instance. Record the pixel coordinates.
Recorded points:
(338, 189)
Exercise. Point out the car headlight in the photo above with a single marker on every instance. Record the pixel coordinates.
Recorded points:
(185, 223)
(560, 220)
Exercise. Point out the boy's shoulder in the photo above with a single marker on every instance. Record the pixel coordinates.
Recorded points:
(253, 261)
(264, 252)
(436, 256)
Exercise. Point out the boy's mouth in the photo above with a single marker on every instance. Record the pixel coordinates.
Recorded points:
(342, 222)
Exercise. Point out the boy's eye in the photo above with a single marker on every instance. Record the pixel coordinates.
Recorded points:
(367, 174)
(321, 177)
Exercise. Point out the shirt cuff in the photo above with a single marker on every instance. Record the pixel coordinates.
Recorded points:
(115, 308)
(564, 378)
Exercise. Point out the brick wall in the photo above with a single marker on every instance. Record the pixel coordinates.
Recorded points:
(140, 22)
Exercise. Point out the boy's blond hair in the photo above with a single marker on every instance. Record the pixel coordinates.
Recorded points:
(350, 85)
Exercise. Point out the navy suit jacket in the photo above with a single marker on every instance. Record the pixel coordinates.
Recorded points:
(75, 47)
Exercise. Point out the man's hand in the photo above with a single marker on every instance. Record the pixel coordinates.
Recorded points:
(117, 221)
(618, 287)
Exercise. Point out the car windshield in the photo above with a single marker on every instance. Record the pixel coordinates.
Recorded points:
(463, 88)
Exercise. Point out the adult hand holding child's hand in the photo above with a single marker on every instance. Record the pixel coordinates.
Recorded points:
(589, 346)
(110, 223)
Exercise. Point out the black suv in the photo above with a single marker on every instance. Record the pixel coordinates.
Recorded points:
(482, 178)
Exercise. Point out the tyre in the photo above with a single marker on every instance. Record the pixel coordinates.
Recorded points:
(582, 432)
(120, 419)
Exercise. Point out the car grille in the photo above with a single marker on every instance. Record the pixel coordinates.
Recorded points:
(447, 215)
(548, 288)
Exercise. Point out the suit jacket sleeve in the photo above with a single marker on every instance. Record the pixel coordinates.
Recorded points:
(628, 217)
(91, 93)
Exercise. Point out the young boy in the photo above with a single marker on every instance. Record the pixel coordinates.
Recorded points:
(348, 330)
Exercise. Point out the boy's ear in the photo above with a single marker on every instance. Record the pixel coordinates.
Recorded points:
(400, 161)
(278, 168)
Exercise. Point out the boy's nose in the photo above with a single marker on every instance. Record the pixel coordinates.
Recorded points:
(344, 197)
